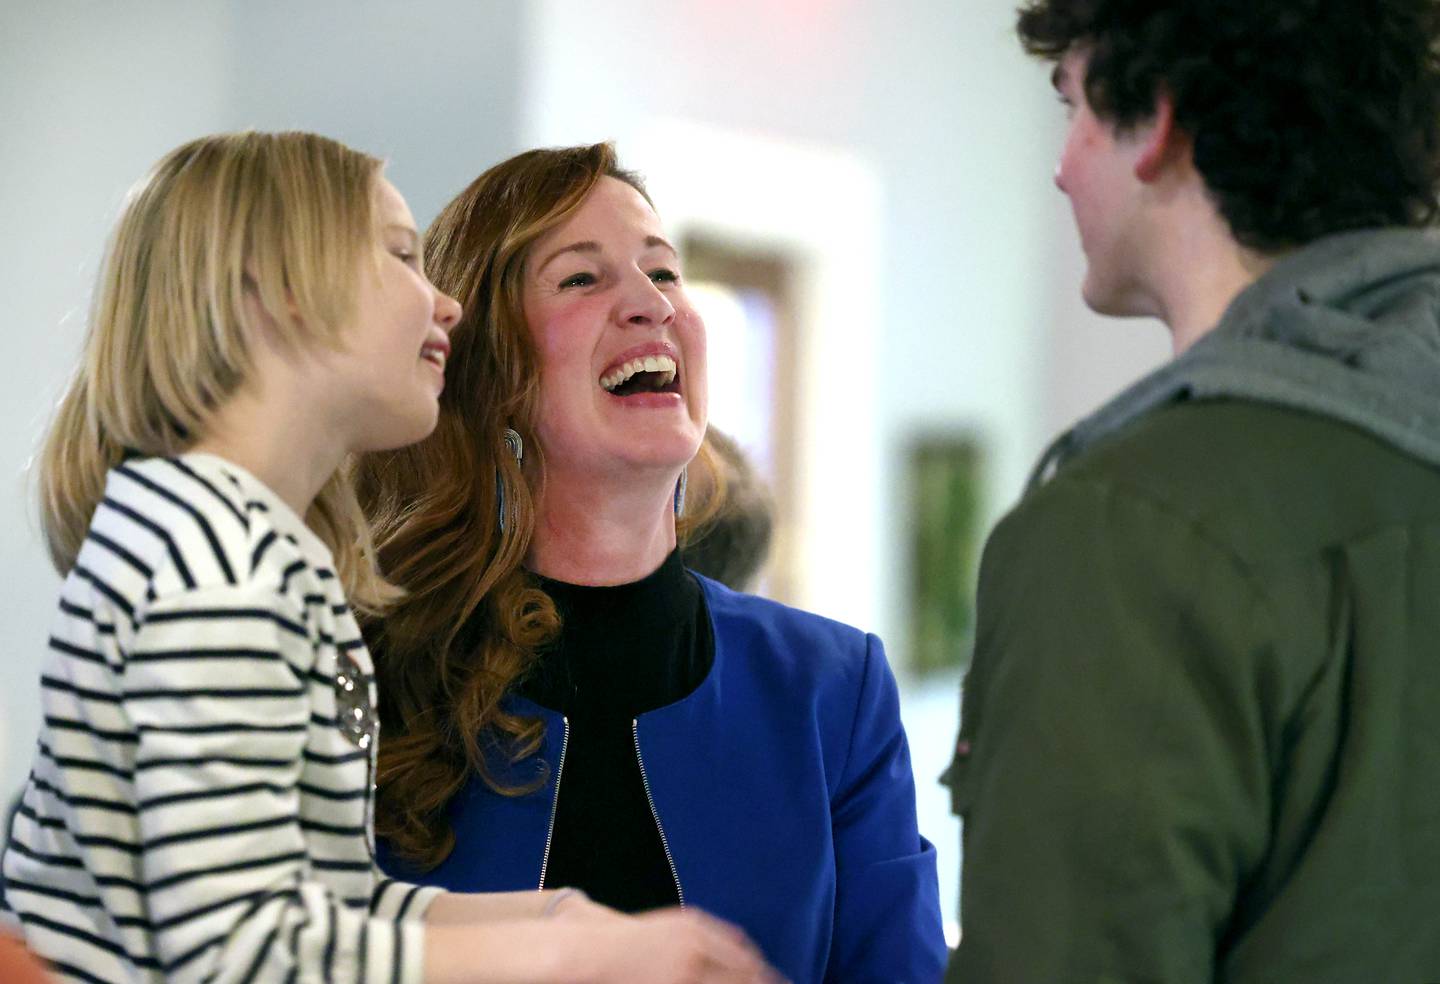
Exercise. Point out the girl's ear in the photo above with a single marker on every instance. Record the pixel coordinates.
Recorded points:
(262, 325)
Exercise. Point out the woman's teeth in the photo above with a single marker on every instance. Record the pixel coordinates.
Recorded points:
(435, 354)
(662, 365)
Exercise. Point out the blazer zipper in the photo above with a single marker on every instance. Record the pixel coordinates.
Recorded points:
(555, 803)
(664, 843)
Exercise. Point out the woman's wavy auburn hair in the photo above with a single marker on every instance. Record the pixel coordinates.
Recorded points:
(473, 619)
(285, 220)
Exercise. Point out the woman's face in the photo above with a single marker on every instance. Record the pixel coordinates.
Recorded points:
(622, 352)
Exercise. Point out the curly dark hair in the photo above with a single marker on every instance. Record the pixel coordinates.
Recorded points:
(1308, 116)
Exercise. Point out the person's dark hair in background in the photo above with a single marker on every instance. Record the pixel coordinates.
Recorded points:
(732, 546)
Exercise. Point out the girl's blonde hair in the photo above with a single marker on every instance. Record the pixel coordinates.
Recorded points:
(284, 219)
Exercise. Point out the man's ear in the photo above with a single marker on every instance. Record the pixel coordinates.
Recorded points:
(1161, 143)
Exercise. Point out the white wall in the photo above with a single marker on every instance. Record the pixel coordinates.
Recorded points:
(92, 93)
(432, 86)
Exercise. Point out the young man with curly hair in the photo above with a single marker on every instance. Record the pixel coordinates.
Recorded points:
(1199, 739)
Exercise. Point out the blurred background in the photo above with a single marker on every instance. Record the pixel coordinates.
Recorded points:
(862, 189)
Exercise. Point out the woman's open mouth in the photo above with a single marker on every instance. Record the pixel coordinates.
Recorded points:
(644, 374)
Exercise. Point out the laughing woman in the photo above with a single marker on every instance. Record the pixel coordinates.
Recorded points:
(564, 703)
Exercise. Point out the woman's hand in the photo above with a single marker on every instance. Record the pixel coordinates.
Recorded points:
(583, 942)
(473, 908)
(669, 946)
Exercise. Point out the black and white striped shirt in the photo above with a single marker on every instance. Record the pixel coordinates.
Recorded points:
(196, 810)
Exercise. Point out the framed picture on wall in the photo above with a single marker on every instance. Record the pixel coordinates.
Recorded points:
(944, 474)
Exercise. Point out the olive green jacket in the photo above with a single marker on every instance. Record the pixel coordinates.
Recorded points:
(1200, 737)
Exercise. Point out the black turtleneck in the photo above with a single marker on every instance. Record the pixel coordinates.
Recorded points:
(622, 650)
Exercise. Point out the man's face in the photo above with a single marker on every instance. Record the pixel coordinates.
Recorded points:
(1096, 171)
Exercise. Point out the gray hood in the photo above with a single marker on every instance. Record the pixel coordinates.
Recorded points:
(1347, 327)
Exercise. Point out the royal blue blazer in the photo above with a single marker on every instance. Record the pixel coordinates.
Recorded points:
(784, 795)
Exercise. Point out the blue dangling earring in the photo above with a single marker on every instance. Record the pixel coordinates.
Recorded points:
(517, 448)
(680, 493)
